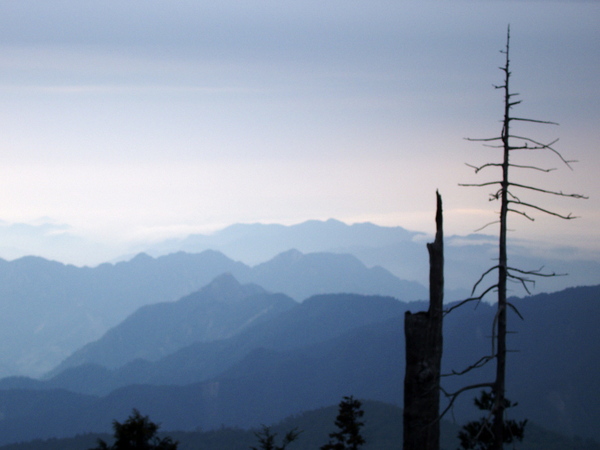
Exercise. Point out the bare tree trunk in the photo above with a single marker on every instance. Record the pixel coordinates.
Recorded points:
(499, 385)
(423, 335)
(510, 202)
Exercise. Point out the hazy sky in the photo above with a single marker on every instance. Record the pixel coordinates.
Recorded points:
(147, 119)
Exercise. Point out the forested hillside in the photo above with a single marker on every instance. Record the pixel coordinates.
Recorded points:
(310, 355)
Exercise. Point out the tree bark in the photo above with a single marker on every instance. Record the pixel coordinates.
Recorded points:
(423, 338)
(499, 385)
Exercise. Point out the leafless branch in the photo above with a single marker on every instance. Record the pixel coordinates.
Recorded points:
(511, 195)
(552, 213)
(524, 214)
(486, 425)
(521, 280)
(537, 273)
(539, 145)
(496, 195)
(483, 139)
(479, 363)
(486, 225)
(520, 119)
(470, 299)
(529, 167)
(542, 146)
(514, 308)
(483, 275)
(546, 191)
(489, 183)
(478, 168)
(454, 395)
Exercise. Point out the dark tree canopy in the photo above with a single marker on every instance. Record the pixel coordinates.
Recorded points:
(266, 439)
(478, 435)
(137, 433)
(348, 422)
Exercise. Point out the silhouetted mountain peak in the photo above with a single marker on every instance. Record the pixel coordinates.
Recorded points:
(227, 288)
(141, 258)
(35, 263)
(287, 257)
(219, 310)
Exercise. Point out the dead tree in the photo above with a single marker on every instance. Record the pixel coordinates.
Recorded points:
(423, 340)
(509, 194)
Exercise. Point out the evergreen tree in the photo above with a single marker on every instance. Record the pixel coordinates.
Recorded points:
(348, 437)
(478, 435)
(137, 433)
(266, 439)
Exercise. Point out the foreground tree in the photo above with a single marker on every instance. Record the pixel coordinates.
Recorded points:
(137, 433)
(266, 439)
(478, 435)
(509, 194)
(348, 421)
(423, 340)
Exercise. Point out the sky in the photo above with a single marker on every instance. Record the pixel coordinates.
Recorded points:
(141, 120)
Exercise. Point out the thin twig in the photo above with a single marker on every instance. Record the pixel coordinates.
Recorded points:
(471, 299)
(533, 120)
(479, 363)
(552, 213)
(454, 395)
(546, 191)
(483, 275)
(514, 308)
(531, 167)
(486, 225)
(537, 273)
(489, 183)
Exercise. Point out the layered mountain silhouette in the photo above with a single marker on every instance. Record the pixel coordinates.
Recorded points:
(51, 309)
(256, 243)
(398, 250)
(302, 275)
(318, 319)
(315, 352)
(218, 311)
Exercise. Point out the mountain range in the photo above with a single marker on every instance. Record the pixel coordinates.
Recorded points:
(309, 355)
(400, 251)
(218, 311)
(200, 340)
(51, 309)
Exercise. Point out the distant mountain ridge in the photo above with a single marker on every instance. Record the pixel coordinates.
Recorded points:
(76, 305)
(50, 308)
(256, 243)
(398, 250)
(302, 275)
